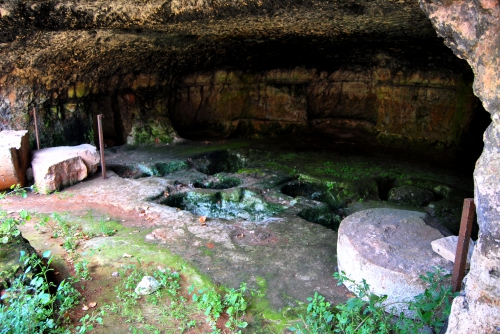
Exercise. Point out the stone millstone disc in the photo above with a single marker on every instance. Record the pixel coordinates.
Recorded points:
(390, 249)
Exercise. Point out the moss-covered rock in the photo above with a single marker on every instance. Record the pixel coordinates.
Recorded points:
(10, 266)
(154, 131)
(411, 195)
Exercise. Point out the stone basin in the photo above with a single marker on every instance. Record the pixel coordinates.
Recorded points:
(390, 249)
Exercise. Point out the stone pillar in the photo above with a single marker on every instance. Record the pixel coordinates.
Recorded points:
(14, 158)
(471, 29)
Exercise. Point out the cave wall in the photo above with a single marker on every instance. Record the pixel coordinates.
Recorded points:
(268, 66)
(393, 105)
(471, 30)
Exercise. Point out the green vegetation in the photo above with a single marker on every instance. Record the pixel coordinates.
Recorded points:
(9, 225)
(366, 312)
(17, 190)
(173, 312)
(28, 306)
(82, 270)
(214, 304)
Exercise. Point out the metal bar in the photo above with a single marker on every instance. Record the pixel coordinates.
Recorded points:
(36, 129)
(468, 211)
(101, 145)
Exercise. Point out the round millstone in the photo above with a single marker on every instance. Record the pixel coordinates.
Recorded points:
(390, 249)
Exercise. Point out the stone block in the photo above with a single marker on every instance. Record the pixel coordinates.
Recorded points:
(447, 248)
(390, 249)
(14, 158)
(63, 166)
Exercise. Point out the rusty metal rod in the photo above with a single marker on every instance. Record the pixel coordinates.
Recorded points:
(101, 145)
(468, 211)
(36, 129)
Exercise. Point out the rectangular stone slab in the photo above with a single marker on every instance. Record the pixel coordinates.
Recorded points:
(447, 248)
(57, 167)
(14, 158)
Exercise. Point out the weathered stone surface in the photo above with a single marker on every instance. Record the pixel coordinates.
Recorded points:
(471, 29)
(410, 195)
(58, 167)
(224, 103)
(147, 286)
(14, 158)
(390, 249)
(52, 176)
(447, 248)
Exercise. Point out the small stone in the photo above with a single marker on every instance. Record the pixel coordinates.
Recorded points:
(115, 274)
(147, 286)
(447, 248)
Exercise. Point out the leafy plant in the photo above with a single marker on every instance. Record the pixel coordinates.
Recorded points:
(431, 307)
(213, 304)
(17, 190)
(9, 225)
(31, 308)
(366, 312)
(210, 301)
(235, 304)
(105, 230)
(169, 279)
(82, 270)
(87, 322)
(319, 316)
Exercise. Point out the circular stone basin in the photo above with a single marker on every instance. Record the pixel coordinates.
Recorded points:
(390, 249)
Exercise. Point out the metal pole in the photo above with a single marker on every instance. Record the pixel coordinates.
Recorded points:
(468, 212)
(101, 144)
(36, 129)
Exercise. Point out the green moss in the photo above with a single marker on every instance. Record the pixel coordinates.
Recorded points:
(254, 171)
(81, 89)
(266, 319)
(154, 131)
(71, 92)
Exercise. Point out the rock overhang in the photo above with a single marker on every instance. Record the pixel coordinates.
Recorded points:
(130, 61)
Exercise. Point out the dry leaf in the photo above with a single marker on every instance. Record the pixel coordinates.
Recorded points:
(85, 307)
(239, 236)
(127, 255)
(92, 305)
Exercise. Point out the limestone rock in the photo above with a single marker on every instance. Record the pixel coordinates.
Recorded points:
(14, 158)
(147, 286)
(390, 249)
(58, 167)
(410, 195)
(447, 248)
(470, 29)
